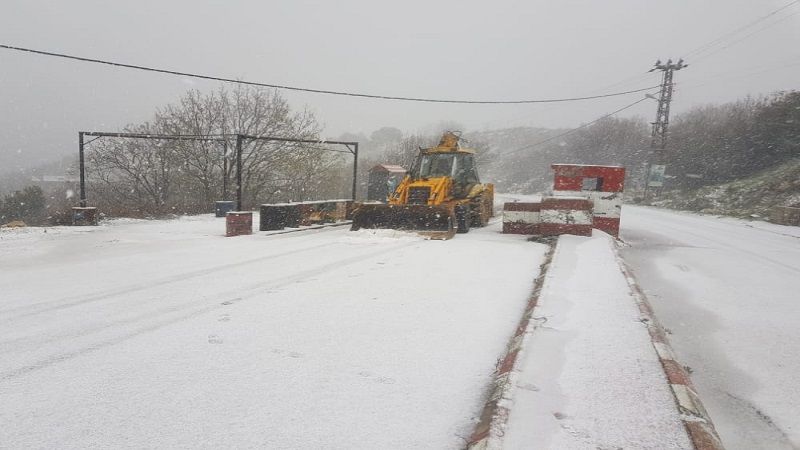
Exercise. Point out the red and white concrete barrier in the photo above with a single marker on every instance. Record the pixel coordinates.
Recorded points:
(566, 215)
(521, 218)
(552, 216)
(603, 185)
(584, 197)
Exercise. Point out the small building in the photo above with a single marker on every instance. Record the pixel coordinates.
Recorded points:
(383, 179)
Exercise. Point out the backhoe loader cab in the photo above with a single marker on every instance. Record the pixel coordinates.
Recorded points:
(459, 166)
(439, 196)
(451, 171)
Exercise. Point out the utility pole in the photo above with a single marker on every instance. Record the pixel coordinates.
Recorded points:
(654, 175)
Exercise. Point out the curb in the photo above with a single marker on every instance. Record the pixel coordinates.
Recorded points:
(489, 431)
(693, 414)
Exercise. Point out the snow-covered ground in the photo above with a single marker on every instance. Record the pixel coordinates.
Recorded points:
(590, 377)
(167, 334)
(729, 292)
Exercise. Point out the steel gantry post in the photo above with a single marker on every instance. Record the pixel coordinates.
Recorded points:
(82, 169)
(355, 169)
(239, 139)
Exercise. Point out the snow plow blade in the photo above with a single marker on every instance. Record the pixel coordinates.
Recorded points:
(435, 222)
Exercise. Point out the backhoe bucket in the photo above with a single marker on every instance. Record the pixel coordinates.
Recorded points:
(435, 222)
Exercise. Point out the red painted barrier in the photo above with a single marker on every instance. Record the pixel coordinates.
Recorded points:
(238, 223)
(603, 185)
(566, 215)
(521, 218)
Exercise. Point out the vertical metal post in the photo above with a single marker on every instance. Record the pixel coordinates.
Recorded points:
(238, 172)
(355, 169)
(82, 169)
(225, 169)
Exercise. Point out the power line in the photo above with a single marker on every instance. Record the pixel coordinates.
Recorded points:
(709, 45)
(552, 138)
(528, 115)
(770, 25)
(318, 91)
(732, 33)
(722, 76)
(720, 39)
(635, 78)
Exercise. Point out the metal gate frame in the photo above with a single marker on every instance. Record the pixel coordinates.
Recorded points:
(351, 146)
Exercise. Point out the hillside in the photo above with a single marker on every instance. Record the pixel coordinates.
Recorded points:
(522, 156)
(754, 195)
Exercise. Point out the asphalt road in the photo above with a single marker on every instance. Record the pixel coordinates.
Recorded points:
(728, 291)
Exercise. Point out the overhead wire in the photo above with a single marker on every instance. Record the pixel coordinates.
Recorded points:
(526, 116)
(573, 130)
(720, 39)
(731, 33)
(631, 79)
(690, 84)
(707, 48)
(316, 91)
(703, 56)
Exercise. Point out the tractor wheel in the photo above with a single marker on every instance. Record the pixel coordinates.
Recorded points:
(463, 219)
(483, 211)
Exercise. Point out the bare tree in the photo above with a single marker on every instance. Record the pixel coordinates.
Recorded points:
(133, 174)
(201, 161)
(187, 176)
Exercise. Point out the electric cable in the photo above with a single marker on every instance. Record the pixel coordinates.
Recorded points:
(317, 91)
(691, 84)
(737, 30)
(703, 56)
(552, 138)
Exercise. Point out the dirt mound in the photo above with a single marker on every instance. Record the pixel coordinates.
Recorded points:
(14, 224)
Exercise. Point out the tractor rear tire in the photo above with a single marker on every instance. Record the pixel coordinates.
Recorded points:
(463, 219)
(483, 211)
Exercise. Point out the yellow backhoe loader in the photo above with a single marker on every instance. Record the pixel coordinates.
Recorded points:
(441, 195)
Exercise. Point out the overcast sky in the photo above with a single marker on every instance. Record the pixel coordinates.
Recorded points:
(498, 50)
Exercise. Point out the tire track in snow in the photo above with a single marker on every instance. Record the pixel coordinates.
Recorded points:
(760, 416)
(10, 345)
(68, 302)
(251, 291)
(686, 229)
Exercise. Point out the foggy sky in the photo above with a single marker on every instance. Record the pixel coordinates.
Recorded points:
(442, 49)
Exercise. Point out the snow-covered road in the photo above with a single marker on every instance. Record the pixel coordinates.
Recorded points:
(729, 292)
(166, 334)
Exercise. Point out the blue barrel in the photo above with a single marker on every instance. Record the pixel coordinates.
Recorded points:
(222, 208)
